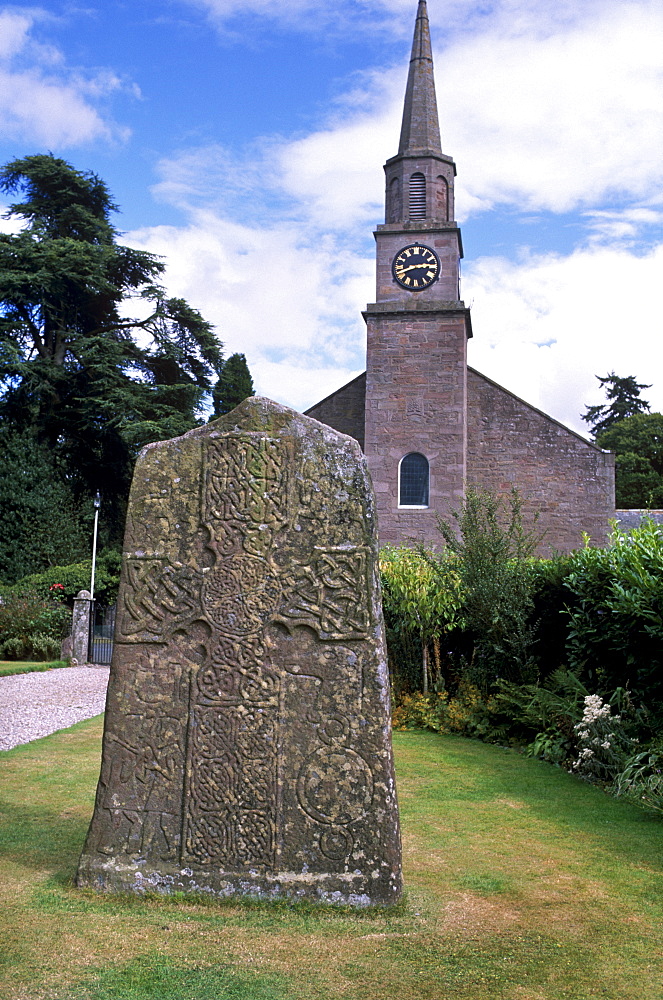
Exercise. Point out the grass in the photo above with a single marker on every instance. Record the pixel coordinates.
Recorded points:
(8, 667)
(523, 884)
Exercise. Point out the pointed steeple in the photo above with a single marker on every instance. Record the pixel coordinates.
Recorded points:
(420, 129)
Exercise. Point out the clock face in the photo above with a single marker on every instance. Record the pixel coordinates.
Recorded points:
(416, 267)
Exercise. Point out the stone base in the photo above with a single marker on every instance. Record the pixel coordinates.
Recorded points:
(347, 888)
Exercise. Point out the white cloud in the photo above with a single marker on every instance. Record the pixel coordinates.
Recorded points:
(545, 327)
(542, 110)
(558, 120)
(43, 100)
(287, 301)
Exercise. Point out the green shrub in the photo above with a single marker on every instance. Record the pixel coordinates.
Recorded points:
(544, 716)
(468, 712)
(603, 744)
(642, 779)
(615, 632)
(36, 646)
(31, 625)
(421, 599)
(76, 577)
(492, 546)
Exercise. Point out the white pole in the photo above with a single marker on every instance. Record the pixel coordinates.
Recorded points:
(97, 505)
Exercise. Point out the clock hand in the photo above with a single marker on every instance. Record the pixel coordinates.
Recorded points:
(402, 270)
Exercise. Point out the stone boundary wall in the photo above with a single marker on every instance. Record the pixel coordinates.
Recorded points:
(627, 520)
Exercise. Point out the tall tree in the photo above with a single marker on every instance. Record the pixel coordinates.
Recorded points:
(91, 381)
(41, 521)
(623, 395)
(234, 385)
(638, 444)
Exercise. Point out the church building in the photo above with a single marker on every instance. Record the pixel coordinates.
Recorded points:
(430, 425)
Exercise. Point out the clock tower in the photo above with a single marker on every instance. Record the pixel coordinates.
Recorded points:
(417, 329)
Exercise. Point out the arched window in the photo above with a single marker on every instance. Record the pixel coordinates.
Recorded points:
(394, 212)
(417, 196)
(442, 199)
(413, 475)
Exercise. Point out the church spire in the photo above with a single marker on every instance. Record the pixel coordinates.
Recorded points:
(420, 129)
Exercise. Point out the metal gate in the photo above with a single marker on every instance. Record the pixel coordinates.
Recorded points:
(102, 627)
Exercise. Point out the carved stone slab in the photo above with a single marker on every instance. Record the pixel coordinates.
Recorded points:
(247, 743)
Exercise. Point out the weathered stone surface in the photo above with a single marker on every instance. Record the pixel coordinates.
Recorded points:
(80, 628)
(247, 743)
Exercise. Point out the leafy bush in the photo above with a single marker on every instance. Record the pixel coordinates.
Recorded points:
(544, 716)
(421, 599)
(468, 713)
(32, 626)
(37, 647)
(615, 632)
(492, 551)
(642, 779)
(76, 577)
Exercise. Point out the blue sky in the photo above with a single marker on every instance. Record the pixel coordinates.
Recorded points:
(244, 141)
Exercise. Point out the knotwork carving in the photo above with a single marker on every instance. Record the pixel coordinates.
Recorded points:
(245, 487)
(323, 594)
(241, 593)
(158, 598)
(232, 792)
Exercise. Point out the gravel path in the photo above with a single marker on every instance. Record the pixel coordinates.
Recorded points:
(37, 704)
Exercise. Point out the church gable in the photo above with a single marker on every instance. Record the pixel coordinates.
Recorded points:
(345, 409)
(567, 480)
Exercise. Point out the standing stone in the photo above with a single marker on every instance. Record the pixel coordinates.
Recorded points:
(247, 743)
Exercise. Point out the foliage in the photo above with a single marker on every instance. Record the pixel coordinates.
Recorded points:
(32, 626)
(468, 712)
(492, 547)
(638, 444)
(233, 386)
(603, 745)
(624, 401)
(93, 383)
(551, 600)
(641, 778)
(42, 522)
(421, 595)
(76, 577)
(615, 628)
(544, 715)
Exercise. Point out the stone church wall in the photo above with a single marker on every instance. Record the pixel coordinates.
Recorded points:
(567, 479)
(344, 409)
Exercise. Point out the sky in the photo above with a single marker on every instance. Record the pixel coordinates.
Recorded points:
(244, 141)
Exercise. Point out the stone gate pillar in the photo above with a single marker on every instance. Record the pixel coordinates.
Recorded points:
(80, 629)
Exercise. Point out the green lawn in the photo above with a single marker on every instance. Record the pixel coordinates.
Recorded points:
(523, 883)
(8, 667)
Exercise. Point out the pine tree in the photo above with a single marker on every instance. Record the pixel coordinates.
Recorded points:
(624, 401)
(235, 385)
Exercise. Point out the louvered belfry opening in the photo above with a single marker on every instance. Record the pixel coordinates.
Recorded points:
(417, 196)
